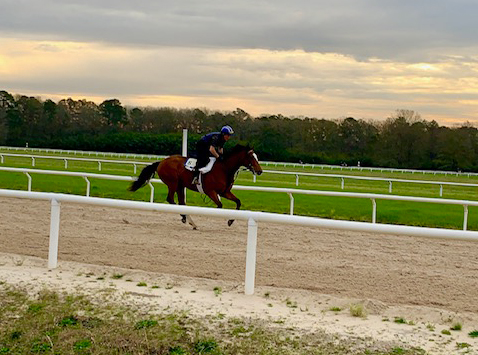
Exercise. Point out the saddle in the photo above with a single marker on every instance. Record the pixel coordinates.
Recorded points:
(191, 165)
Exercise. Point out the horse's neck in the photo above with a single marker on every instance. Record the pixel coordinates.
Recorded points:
(233, 164)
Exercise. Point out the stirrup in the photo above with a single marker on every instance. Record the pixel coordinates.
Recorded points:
(195, 181)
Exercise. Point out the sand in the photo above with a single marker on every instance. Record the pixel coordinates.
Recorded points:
(431, 283)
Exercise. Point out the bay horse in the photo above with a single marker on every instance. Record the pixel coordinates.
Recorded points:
(215, 183)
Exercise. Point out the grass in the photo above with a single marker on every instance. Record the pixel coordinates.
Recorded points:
(358, 310)
(357, 209)
(55, 323)
(456, 326)
(473, 334)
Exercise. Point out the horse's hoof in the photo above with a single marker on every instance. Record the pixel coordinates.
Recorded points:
(195, 228)
(183, 219)
(230, 222)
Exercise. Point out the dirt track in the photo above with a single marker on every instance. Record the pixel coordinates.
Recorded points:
(392, 269)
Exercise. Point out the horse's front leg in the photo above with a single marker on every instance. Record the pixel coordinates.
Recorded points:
(182, 201)
(215, 198)
(230, 196)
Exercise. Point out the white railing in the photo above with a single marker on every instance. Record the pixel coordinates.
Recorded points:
(296, 174)
(265, 163)
(371, 169)
(289, 192)
(85, 152)
(369, 178)
(66, 159)
(251, 217)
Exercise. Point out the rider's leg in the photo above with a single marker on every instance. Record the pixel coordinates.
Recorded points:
(202, 160)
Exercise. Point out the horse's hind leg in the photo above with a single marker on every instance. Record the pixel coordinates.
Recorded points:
(230, 196)
(170, 199)
(182, 201)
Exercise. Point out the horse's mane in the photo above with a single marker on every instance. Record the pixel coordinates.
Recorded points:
(237, 149)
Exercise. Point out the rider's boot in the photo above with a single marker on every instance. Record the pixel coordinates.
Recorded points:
(196, 177)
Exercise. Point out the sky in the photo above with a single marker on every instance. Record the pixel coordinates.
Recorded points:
(303, 58)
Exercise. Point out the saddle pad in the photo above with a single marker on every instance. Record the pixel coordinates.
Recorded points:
(190, 164)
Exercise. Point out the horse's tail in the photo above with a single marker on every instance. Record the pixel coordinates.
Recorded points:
(146, 174)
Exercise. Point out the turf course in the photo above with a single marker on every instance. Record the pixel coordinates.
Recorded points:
(357, 209)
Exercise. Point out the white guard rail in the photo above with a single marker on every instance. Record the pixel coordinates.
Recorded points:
(251, 217)
(364, 168)
(289, 192)
(264, 163)
(84, 152)
(352, 177)
(297, 174)
(66, 159)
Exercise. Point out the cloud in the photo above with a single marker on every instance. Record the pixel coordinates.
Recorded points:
(360, 58)
(399, 30)
(259, 81)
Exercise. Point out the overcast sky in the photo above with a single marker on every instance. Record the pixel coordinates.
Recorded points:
(315, 58)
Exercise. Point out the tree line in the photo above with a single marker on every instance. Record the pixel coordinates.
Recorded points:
(403, 140)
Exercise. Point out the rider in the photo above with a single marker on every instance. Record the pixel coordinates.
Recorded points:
(211, 145)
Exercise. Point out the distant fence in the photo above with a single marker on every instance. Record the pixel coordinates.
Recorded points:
(289, 192)
(265, 163)
(296, 174)
(66, 159)
(371, 169)
(369, 178)
(84, 152)
(251, 217)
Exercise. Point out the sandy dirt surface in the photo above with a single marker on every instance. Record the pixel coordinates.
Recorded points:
(425, 281)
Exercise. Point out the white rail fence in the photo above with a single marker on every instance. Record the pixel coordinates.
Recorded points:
(84, 152)
(371, 169)
(289, 192)
(265, 163)
(369, 178)
(66, 159)
(296, 174)
(252, 217)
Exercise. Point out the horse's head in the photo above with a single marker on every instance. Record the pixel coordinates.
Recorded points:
(252, 163)
(245, 156)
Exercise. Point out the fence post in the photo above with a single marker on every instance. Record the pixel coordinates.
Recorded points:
(87, 186)
(390, 187)
(151, 197)
(441, 190)
(297, 180)
(291, 203)
(185, 154)
(343, 183)
(465, 217)
(374, 211)
(185, 142)
(29, 181)
(54, 233)
(251, 256)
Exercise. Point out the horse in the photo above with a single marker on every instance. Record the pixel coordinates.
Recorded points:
(215, 183)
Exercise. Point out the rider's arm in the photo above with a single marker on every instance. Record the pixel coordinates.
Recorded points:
(213, 151)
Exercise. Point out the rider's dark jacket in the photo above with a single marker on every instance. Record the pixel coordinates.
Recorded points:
(216, 139)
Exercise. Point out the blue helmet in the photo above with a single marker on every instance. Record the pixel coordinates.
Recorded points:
(227, 130)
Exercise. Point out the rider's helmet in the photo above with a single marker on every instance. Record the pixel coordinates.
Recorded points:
(227, 130)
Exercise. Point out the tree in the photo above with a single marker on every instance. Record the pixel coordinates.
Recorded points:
(114, 113)
(7, 103)
(403, 140)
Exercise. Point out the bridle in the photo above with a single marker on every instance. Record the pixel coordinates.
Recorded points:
(250, 166)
